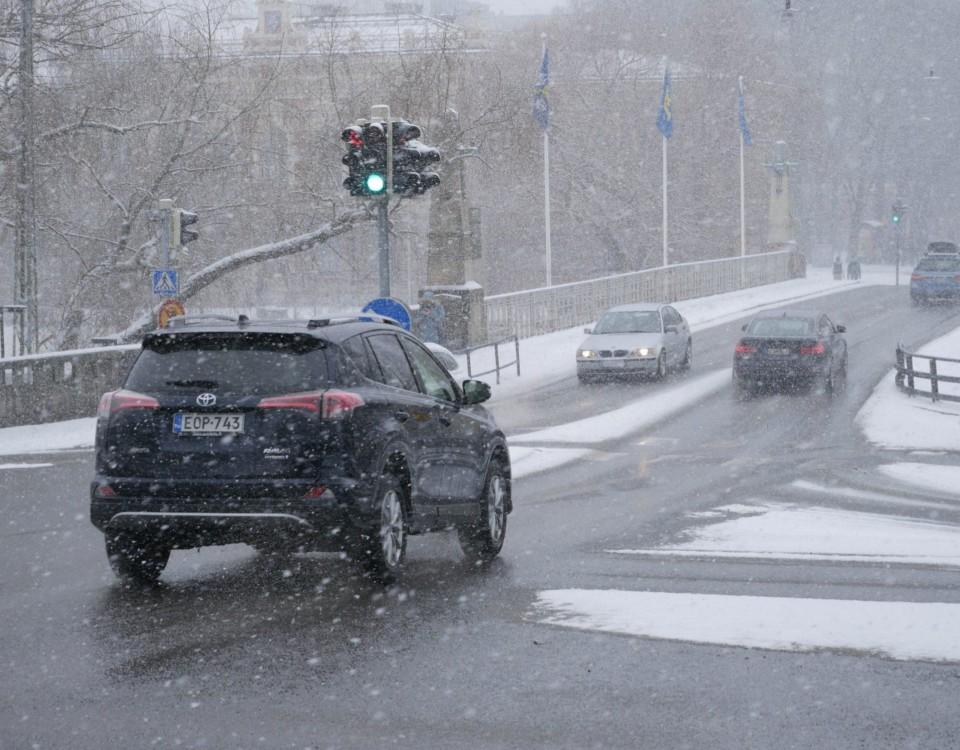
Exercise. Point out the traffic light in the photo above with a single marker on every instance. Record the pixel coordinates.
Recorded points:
(410, 160)
(178, 220)
(366, 158)
(898, 211)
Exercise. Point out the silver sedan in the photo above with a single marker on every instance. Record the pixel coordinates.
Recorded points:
(648, 339)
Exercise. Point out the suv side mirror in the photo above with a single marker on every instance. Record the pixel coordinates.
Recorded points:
(671, 329)
(744, 326)
(588, 331)
(841, 329)
(475, 392)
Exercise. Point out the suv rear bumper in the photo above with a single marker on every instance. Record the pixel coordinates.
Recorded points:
(203, 517)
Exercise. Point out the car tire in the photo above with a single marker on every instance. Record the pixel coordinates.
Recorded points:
(824, 384)
(840, 382)
(482, 540)
(661, 372)
(687, 361)
(742, 389)
(383, 548)
(135, 559)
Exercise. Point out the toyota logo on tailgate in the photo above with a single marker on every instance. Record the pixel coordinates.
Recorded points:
(206, 399)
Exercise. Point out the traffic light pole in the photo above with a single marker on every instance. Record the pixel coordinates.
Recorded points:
(383, 235)
(898, 255)
(381, 113)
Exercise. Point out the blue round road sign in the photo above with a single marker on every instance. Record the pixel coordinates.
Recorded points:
(391, 308)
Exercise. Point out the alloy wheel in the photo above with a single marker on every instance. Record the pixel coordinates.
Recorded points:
(496, 508)
(392, 529)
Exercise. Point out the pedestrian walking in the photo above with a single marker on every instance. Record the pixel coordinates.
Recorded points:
(430, 319)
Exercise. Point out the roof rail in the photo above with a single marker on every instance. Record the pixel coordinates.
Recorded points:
(361, 317)
(181, 321)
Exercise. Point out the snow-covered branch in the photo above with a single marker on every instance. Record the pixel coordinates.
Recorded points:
(271, 251)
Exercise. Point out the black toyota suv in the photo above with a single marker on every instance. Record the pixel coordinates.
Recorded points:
(341, 434)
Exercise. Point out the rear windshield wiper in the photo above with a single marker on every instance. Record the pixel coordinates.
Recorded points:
(193, 383)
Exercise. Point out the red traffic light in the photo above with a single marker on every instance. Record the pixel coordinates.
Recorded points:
(353, 135)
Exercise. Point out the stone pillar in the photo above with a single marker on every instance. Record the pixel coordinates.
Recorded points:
(454, 244)
(781, 228)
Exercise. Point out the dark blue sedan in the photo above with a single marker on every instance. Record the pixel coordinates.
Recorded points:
(790, 349)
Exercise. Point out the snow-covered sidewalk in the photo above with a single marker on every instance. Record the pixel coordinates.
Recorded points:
(891, 419)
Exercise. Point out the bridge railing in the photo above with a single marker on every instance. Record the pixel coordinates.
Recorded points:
(933, 372)
(536, 311)
(39, 388)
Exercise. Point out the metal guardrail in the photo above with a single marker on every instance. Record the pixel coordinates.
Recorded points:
(907, 375)
(537, 311)
(498, 365)
(38, 388)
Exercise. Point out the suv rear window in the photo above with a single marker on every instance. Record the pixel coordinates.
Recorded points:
(230, 363)
(939, 265)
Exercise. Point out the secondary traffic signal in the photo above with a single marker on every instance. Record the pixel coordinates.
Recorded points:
(897, 213)
(410, 160)
(178, 234)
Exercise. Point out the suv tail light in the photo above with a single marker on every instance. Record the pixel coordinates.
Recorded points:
(743, 348)
(329, 404)
(817, 348)
(338, 404)
(308, 401)
(115, 401)
(917, 277)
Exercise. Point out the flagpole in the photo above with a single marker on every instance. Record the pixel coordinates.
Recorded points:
(666, 241)
(743, 222)
(546, 205)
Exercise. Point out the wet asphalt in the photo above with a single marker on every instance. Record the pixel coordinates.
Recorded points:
(237, 650)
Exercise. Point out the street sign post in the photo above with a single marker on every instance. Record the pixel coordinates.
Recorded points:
(166, 282)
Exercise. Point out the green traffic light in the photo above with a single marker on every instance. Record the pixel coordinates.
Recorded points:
(896, 219)
(375, 183)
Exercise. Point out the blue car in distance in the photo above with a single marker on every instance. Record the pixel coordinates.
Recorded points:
(937, 275)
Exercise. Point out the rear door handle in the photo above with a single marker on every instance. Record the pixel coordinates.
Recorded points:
(402, 416)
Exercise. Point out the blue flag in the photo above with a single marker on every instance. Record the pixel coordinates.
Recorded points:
(742, 115)
(541, 105)
(665, 116)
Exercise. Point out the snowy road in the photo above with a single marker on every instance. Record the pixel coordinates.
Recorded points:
(633, 579)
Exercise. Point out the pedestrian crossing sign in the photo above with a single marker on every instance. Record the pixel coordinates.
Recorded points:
(166, 282)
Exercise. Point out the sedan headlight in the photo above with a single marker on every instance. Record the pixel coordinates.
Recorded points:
(643, 351)
(586, 354)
